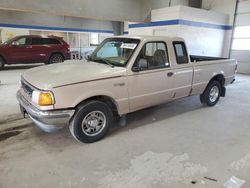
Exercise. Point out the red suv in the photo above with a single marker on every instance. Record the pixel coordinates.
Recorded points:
(33, 49)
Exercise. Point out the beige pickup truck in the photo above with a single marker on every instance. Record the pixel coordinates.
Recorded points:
(124, 74)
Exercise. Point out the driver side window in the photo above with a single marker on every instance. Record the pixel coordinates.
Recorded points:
(23, 41)
(155, 54)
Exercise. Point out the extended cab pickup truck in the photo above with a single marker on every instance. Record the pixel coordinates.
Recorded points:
(124, 74)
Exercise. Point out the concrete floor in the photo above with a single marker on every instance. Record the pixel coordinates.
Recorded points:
(179, 144)
(9, 84)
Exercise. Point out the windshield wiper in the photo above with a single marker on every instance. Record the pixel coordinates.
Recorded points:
(102, 60)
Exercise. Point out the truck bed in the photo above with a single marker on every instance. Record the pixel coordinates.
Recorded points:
(196, 58)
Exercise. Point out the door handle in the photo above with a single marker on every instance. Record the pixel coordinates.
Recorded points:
(170, 74)
(29, 47)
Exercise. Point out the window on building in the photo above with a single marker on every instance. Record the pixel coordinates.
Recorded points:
(241, 39)
(242, 32)
(94, 39)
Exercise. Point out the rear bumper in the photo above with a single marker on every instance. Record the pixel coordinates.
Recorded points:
(67, 55)
(48, 121)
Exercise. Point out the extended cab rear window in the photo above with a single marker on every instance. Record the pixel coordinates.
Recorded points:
(180, 52)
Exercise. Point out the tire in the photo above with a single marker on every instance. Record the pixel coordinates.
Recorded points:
(91, 122)
(2, 63)
(56, 58)
(212, 93)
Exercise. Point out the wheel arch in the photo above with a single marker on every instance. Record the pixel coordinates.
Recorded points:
(220, 78)
(103, 98)
(5, 61)
(56, 52)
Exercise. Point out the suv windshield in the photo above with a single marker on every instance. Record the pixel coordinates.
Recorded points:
(8, 41)
(115, 51)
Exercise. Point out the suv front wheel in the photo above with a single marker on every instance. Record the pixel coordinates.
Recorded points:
(56, 58)
(2, 62)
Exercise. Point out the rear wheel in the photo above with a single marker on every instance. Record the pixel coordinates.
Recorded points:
(212, 93)
(56, 58)
(91, 122)
(2, 62)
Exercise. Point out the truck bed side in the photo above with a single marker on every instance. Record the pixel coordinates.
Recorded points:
(204, 71)
(196, 58)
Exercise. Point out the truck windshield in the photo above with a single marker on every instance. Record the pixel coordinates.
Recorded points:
(115, 51)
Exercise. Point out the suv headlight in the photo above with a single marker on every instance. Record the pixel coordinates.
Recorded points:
(43, 98)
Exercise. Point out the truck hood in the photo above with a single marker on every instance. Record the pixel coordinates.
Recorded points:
(70, 72)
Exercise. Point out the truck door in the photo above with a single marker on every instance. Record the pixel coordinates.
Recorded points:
(151, 84)
(183, 71)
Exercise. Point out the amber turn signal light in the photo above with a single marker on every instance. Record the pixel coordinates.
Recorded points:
(45, 99)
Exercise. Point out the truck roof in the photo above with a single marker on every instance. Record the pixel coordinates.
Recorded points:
(150, 37)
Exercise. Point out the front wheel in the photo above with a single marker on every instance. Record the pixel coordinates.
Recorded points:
(212, 93)
(1, 63)
(91, 122)
(56, 58)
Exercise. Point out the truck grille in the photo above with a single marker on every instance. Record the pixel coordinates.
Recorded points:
(27, 89)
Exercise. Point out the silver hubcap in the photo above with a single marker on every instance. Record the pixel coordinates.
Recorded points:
(93, 123)
(214, 94)
(56, 59)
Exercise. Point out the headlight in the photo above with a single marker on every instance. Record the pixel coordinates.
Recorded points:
(43, 98)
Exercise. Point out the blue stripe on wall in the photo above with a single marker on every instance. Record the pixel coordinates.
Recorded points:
(157, 23)
(207, 25)
(125, 32)
(182, 22)
(54, 28)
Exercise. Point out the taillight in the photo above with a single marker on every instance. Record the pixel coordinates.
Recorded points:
(65, 44)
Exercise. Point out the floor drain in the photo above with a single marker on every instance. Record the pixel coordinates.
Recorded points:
(193, 182)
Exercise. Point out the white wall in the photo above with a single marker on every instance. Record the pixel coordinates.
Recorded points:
(46, 20)
(226, 7)
(167, 13)
(200, 40)
(74, 30)
(221, 6)
(115, 10)
(149, 5)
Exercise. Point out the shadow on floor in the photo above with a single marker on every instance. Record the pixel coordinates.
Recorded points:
(158, 113)
(134, 120)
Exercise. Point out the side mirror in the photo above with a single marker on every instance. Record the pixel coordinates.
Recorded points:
(14, 43)
(142, 65)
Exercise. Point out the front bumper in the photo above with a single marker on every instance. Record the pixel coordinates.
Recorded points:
(48, 121)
